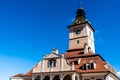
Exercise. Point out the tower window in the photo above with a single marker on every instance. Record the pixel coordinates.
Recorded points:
(52, 63)
(79, 21)
(90, 33)
(78, 41)
(77, 32)
(89, 49)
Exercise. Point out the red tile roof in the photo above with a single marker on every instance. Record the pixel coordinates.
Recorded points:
(73, 55)
(18, 75)
(98, 62)
(76, 53)
(29, 73)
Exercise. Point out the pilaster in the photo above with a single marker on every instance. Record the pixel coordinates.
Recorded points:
(42, 69)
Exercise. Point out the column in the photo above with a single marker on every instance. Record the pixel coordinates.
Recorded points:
(61, 77)
(41, 77)
(33, 77)
(51, 76)
(73, 76)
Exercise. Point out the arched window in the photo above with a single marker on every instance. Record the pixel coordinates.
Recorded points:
(77, 32)
(67, 77)
(56, 77)
(76, 78)
(79, 21)
(89, 49)
(37, 78)
(46, 78)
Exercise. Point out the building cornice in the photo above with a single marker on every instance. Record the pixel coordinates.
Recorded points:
(81, 24)
(54, 72)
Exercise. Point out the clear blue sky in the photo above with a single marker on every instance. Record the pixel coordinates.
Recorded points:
(29, 29)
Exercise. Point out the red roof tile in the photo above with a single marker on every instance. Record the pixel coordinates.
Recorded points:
(29, 73)
(18, 75)
(24, 75)
(99, 61)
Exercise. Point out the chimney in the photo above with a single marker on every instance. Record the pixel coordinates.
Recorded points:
(55, 50)
(85, 48)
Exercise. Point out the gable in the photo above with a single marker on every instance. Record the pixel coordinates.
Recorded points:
(52, 55)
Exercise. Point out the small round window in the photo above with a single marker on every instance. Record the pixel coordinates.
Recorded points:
(77, 32)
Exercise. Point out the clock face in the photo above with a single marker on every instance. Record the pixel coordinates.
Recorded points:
(77, 32)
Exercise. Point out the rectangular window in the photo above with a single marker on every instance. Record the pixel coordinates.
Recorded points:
(90, 33)
(52, 63)
(78, 41)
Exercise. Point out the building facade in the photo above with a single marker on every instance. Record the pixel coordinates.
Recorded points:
(80, 62)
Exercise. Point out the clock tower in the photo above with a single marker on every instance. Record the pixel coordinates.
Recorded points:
(81, 35)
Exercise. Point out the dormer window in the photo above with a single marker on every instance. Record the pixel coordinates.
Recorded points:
(92, 64)
(75, 62)
(52, 63)
(84, 67)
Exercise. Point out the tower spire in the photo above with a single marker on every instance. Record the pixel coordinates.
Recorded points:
(80, 17)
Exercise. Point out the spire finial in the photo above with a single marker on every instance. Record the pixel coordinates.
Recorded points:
(80, 4)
